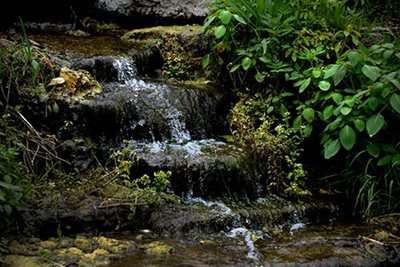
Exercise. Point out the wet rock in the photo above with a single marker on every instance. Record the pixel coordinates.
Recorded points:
(176, 9)
(197, 167)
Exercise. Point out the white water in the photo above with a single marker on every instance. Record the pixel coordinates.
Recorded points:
(127, 74)
(237, 232)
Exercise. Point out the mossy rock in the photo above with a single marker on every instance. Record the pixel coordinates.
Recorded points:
(25, 261)
(157, 248)
(181, 48)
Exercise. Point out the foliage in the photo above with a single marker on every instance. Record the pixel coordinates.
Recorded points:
(333, 82)
(123, 163)
(14, 191)
(274, 143)
(263, 40)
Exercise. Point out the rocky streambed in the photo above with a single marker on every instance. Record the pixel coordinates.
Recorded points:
(109, 94)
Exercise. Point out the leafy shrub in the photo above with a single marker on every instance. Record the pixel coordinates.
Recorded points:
(274, 143)
(14, 191)
(317, 57)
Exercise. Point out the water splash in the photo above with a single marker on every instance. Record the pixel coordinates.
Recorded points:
(127, 75)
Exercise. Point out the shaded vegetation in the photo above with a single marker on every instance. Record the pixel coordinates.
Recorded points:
(337, 78)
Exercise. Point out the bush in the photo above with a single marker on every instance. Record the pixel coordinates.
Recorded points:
(316, 56)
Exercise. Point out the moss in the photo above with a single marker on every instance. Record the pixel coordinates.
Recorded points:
(157, 248)
(83, 243)
(181, 48)
(48, 244)
(114, 245)
(18, 260)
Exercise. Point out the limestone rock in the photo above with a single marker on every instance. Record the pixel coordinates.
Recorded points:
(178, 9)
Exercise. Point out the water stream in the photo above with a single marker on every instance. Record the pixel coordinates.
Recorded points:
(221, 220)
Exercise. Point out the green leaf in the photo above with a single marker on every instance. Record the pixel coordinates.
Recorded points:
(239, 18)
(308, 130)
(205, 60)
(304, 85)
(396, 159)
(297, 122)
(339, 74)
(337, 98)
(331, 71)
(347, 137)
(220, 31)
(234, 68)
(373, 102)
(324, 85)
(385, 160)
(260, 77)
(373, 150)
(225, 16)
(354, 58)
(375, 124)
(208, 21)
(328, 112)
(309, 114)
(246, 63)
(2, 195)
(345, 110)
(331, 148)
(395, 102)
(373, 73)
(7, 209)
(316, 73)
(359, 124)
(6, 185)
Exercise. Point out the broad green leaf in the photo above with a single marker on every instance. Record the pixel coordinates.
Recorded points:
(270, 109)
(328, 112)
(385, 160)
(6, 185)
(324, 85)
(339, 74)
(345, 110)
(375, 124)
(373, 73)
(395, 102)
(347, 137)
(354, 58)
(331, 71)
(225, 16)
(265, 59)
(246, 63)
(373, 150)
(205, 60)
(2, 195)
(331, 148)
(304, 85)
(373, 102)
(337, 98)
(308, 130)
(396, 159)
(359, 124)
(297, 122)
(239, 18)
(308, 114)
(220, 31)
